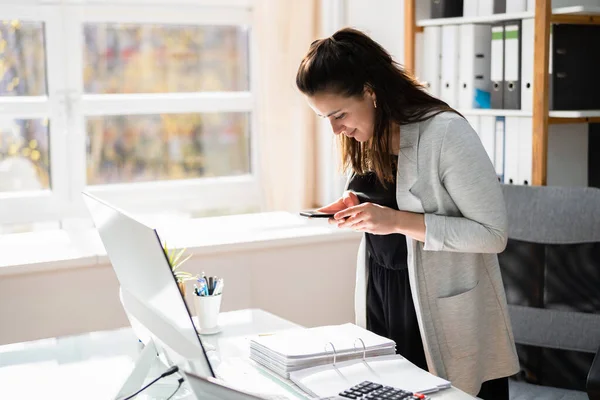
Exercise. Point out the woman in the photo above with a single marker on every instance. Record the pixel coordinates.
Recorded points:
(425, 194)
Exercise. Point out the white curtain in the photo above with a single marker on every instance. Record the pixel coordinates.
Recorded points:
(287, 126)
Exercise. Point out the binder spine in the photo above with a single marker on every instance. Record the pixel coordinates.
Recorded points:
(497, 66)
(512, 65)
(527, 33)
(499, 6)
(515, 6)
(500, 148)
(446, 8)
(450, 75)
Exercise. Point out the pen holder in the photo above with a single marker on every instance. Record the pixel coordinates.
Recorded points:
(207, 311)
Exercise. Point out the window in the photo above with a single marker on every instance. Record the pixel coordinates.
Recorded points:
(146, 104)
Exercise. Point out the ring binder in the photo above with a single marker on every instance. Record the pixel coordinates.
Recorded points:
(364, 357)
(324, 381)
(334, 352)
(299, 349)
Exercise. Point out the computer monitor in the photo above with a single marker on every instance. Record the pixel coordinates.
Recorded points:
(149, 291)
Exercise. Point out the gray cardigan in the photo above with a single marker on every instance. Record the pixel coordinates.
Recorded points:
(445, 173)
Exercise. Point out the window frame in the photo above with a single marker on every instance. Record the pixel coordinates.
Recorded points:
(68, 106)
(332, 181)
(47, 204)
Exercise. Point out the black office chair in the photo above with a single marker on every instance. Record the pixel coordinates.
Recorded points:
(551, 274)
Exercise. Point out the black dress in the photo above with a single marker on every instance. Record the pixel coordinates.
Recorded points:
(390, 309)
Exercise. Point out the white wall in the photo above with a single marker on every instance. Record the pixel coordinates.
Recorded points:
(310, 284)
(383, 20)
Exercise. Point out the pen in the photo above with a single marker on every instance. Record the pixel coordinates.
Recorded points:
(219, 287)
(210, 285)
(202, 290)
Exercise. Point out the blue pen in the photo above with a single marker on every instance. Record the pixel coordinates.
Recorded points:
(202, 289)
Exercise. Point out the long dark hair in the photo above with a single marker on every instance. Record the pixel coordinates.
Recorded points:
(345, 64)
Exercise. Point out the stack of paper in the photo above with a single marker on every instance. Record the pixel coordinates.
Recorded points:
(298, 349)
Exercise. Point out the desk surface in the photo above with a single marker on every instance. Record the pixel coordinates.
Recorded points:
(94, 365)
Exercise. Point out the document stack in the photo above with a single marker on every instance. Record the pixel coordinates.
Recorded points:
(298, 349)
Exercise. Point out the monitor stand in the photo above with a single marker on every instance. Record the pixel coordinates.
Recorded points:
(150, 365)
(145, 361)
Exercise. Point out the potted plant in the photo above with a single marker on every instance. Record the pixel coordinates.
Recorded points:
(176, 261)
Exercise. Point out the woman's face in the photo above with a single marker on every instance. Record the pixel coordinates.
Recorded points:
(350, 116)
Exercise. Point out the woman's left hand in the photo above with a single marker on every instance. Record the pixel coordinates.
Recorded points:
(370, 218)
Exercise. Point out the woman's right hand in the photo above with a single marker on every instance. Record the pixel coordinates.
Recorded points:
(348, 199)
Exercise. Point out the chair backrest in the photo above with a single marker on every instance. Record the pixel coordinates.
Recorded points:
(551, 274)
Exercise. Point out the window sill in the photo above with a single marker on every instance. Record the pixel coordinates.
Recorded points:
(60, 249)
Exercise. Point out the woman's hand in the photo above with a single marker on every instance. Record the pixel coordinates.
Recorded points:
(348, 199)
(379, 220)
(368, 217)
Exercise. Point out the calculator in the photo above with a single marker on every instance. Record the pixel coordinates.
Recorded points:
(375, 391)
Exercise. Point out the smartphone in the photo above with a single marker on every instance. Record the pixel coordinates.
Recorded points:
(316, 214)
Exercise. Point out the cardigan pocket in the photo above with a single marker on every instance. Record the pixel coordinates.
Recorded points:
(460, 319)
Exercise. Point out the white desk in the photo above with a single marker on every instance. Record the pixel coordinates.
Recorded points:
(94, 365)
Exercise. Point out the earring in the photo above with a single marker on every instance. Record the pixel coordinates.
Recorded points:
(375, 103)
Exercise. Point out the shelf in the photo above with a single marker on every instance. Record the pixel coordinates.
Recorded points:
(544, 17)
(579, 15)
(495, 112)
(577, 11)
(475, 20)
(575, 114)
(574, 117)
(554, 117)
